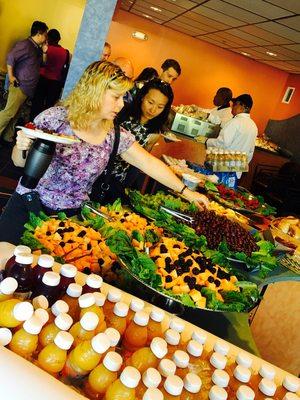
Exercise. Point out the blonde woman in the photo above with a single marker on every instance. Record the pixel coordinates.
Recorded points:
(87, 113)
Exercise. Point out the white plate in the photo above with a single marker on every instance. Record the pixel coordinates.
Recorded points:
(171, 137)
(51, 137)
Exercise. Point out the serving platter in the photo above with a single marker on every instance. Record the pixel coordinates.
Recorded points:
(51, 137)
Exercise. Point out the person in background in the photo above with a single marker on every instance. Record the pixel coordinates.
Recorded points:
(106, 52)
(145, 76)
(221, 113)
(23, 66)
(52, 75)
(125, 65)
(170, 71)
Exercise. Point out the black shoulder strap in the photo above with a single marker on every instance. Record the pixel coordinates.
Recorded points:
(114, 152)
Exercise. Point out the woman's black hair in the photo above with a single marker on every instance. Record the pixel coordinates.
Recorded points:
(147, 74)
(133, 110)
(53, 36)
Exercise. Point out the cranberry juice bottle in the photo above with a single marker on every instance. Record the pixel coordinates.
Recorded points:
(45, 264)
(21, 270)
(49, 287)
(67, 276)
(18, 250)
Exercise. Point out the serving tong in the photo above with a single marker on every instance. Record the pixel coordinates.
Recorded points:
(98, 212)
(178, 214)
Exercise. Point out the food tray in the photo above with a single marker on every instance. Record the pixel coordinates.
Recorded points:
(286, 239)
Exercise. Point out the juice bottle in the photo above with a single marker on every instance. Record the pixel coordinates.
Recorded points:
(57, 308)
(290, 396)
(18, 250)
(71, 298)
(154, 327)
(124, 387)
(266, 388)
(103, 375)
(52, 358)
(25, 341)
(240, 375)
(44, 264)
(217, 361)
(242, 359)
(62, 322)
(207, 368)
(5, 336)
(92, 284)
(117, 319)
(49, 287)
(220, 378)
(134, 306)
(172, 338)
(172, 388)
(86, 356)
(85, 328)
(40, 302)
(177, 325)
(13, 312)
(21, 270)
(245, 393)
(7, 288)
(153, 394)
(87, 303)
(100, 300)
(289, 384)
(194, 350)
(113, 336)
(113, 296)
(217, 393)
(135, 335)
(181, 360)
(67, 276)
(191, 387)
(147, 357)
(150, 379)
(265, 371)
(42, 314)
(166, 368)
(200, 336)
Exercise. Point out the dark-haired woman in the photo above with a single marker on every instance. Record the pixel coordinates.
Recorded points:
(145, 76)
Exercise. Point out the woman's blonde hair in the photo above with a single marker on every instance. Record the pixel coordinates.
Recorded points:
(85, 101)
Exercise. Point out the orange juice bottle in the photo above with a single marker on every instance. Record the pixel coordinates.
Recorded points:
(177, 325)
(134, 306)
(85, 328)
(266, 388)
(265, 371)
(62, 322)
(151, 378)
(199, 335)
(181, 360)
(154, 327)
(57, 308)
(113, 336)
(52, 358)
(245, 393)
(153, 394)
(220, 378)
(5, 336)
(290, 396)
(86, 356)
(40, 302)
(191, 387)
(25, 341)
(217, 361)
(136, 334)
(42, 314)
(172, 388)
(166, 368)
(124, 387)
(289, 384)
(7, 288)
(103, 375)
(92, 284)
(100, 299)
(217, 393)
(172, 338)
(87, 303)
(113, 296)
(13, 312)
(71, 298)
(194, 350)
(117, 319)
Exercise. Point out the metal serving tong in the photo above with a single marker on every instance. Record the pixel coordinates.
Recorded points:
(98, 212)
(178, 214)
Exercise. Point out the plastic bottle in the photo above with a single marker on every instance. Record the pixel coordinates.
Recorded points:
(290, 383)
(103, 375)
(217, 393)
(42, 314)
(166, 368)
(21, 270)
(71, 298)
(124, 387)
(13, 312)
(200, 336)
(191, 387)
(194, 350)
(290, 396)
(57, 308)
(48, 287)
(7, 288)
(150, 379)
(181, 360)
(266, 388)
(52, 358)
(85, 328)
(87, 303)
(172, 338)
(265, 371)
(113, 296)
(117, 319)
(134, 306)
(245, 393)
(177, 325)
(153, 394)
(40, 302)
(136, 334)
(240, 376)
(207, 368)
(220, 378)
(113, 336)
(243, 359)
(62, 322)
(44, 264)
(100, 299)
(172, 388)
(217, 361)
(92, 284)
(86, 356)
(67, 276)
(25, 341)
(154, 327)
(18, 250)
(5, 336)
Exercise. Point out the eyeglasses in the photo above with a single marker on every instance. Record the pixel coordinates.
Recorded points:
(117, 74)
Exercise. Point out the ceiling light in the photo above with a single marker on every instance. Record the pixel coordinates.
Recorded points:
(147, 16)
(139, 35)
(245, 54)
(155, 9)
(271, 54)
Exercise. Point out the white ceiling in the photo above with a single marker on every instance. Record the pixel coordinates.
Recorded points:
(249, 27)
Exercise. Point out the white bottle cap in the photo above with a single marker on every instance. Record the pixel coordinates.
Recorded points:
(100, 343)
(194, 348)
(159, 347)
(59, 307)
(89, 321)
(68, 270)
(151, 378)
(267, 387)
(136, 305)
(63, 321)
(86, 300)
(218, 361)
(99, 298)
(244, 359)
(8, 286)
(51, 278)
(220, 378)
(114, 295)
(181, 359)
(24, 258)
(141, 318)
(23, 311)
(121, 309)
(153, 394)
(40, 302)
(173, 385)
(22, 249)
(64, 340)
(42, 314)
(157, 314)
(130, 377)
(33, 325)
(113, 336)
(217, 393)
(221, 347)
(242, 374)
(166, 367)
(74, 290)
(200, 336)
(45, 261)
(245, 393)
(267, 372)
(192, 383)
(288, 396)
(177, 325)
(94, 281)
(172, 337)
(291, 383)
(112, 361)
(5, 336)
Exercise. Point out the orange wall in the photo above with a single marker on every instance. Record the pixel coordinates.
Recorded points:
(205, 67)
(283, 110)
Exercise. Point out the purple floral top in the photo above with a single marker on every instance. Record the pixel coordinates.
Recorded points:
(74, 168)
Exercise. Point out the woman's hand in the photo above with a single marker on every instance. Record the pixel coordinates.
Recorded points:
(23, 142)
(199, 199)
